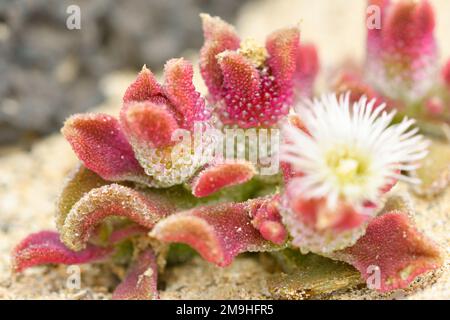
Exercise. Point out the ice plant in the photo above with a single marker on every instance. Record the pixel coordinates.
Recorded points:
(402, 53)
(150, 179)
(346, 157)
(401, 69)
(251, 85)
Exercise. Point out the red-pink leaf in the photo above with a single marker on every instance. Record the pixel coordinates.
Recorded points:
(127, 232)
(143, 88)
(267, 219)
(409, 28)
(145, 208)
(306, 70)
(396, 248)
(45, 248)
(446, 74)
(219, 36)
(221, 175)
(148, 125)
(100, 144)
(181, 92)
(80, 181)
(218, 232)
(282, 46)
(141, 280)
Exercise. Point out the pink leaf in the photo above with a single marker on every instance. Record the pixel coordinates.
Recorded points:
(219, 36)
(241, 81)
(282, 46)
(267, 219)
(143, 88)
(145, 208)
(126, 233)
(148, 125)
(218, 232)
(80, 181)
(45, 248)
(446, 74)
(394, 246)
(306, 70)
(221, 175)
(141, 280)
(100, 144)
(181, 92)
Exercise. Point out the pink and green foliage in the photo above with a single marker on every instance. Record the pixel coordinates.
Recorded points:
(132, 189)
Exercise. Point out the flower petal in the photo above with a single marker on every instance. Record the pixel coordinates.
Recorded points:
(45, 248)
(394, 247)
(100, 144)
(218, 232)
(219, 36)
(181, 92)
(143, 88)
(282, 46)
(141, 280)
(148, 125)
(145, 208)
(80, 181)
(221, 175)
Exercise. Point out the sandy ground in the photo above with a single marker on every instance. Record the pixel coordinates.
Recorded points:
(30, 180)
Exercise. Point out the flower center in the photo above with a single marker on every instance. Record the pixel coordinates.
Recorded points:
(349, 166)
(253, 51)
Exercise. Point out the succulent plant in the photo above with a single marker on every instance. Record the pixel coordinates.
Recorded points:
(142, 188)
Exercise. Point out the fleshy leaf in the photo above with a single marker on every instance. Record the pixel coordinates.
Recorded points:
(267, 219)
(143, 88)
(80, 181)
(218, 232)
(241, 81)
(140, 283)
(45, 247)
(127, 232)
(181, 92)
(144, 208)
(446, 74)
(394, 247)
(219, 36)
(148, 125)
(221, 175)
(310, 276)
(100, 144)
(434, 171)
(282, 46)
(306, 70)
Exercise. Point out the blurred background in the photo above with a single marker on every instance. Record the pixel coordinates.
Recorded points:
(48, 71)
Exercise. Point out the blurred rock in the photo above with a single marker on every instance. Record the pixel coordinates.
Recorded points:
(48, 71)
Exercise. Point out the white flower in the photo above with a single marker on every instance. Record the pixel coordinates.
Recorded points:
(352, 151)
